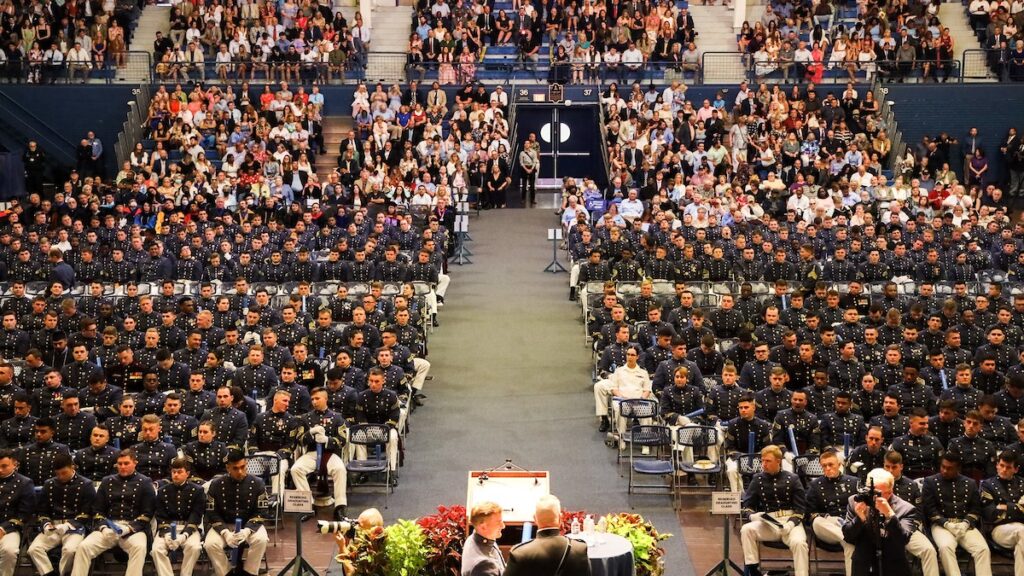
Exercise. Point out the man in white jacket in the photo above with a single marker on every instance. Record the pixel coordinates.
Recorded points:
(628, 381)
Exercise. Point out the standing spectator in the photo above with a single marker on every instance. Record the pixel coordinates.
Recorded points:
(529, 164)
(35, 162)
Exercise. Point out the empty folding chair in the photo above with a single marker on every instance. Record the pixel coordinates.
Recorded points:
(659, 462)
(375, 445)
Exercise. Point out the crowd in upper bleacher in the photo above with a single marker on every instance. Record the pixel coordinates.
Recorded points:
(50, 41)
(858, 41)
(275, 41)
(566, 43)
(998, 27)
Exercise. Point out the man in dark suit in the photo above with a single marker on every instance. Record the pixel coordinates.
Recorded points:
(413, 95)
(480, 554)
(549, 553)
(896, 517)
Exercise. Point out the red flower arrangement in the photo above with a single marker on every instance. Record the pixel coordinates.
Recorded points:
(569, 515)
(446, 533)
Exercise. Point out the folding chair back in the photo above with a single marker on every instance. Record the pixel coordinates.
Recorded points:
(658, 441)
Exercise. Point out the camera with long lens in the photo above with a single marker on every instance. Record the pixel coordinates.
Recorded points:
(867, 494)
(345, 527)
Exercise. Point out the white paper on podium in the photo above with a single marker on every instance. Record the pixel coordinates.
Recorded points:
(516, 492)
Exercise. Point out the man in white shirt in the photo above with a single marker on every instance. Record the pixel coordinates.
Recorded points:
(500, 96)
(632, 207)
(78, 62)
(802, 57)
(629, 381)
(633, 60)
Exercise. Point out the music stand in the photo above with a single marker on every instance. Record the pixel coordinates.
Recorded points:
(555, 267)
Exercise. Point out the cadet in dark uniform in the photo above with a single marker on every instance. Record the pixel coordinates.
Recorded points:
(803, 424)
(73, 426)
(378, 405)
(842, 428)
(920, 450)
(100, 398)
(1001, 498)
(180, 427)
(780, 495)
(256, 376)
(273, 432)
(47, 400)
(325, 428)
(977, 455)
(550, 553)
(36, 459)
(79, 373)
(63, 510)
(950, 502)
(891, 421)
(127, 501)
(300, 400)
(8, 390)
(151, 399)
(153, 454)
(867, 456)
(99, 460)
(827, 499)
(182, 503)
(737, 438)
(17, 430)
(235, 496)
(125, 428)
(197, 399)
(342, 394)
(205, 453)
(230, 422)
(480, 553)
(17, 500)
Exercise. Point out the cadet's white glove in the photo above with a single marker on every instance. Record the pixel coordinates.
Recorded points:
(320, 438)
(789, 457)
(107, 531)
(243, 535)
(683, 421)
(49, 527)
(317, 430)
(180, 540)
(126, 530)
(63, 528)
(955, 528)
(230, 539)
(169, 542)
(757, 516)
(1021, 502)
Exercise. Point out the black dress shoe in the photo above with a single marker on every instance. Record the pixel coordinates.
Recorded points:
(339, 512)
(605, 425)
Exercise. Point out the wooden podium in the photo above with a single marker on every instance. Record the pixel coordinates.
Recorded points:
(515, 490)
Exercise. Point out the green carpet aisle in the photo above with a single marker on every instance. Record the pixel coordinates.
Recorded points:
(511, 381)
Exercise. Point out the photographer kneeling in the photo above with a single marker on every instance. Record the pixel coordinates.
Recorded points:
(878, 519)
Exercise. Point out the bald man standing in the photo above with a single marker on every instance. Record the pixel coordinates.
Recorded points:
(549, 553)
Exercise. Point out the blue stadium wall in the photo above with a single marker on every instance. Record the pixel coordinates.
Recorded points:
(928, 110)
(71, 111)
